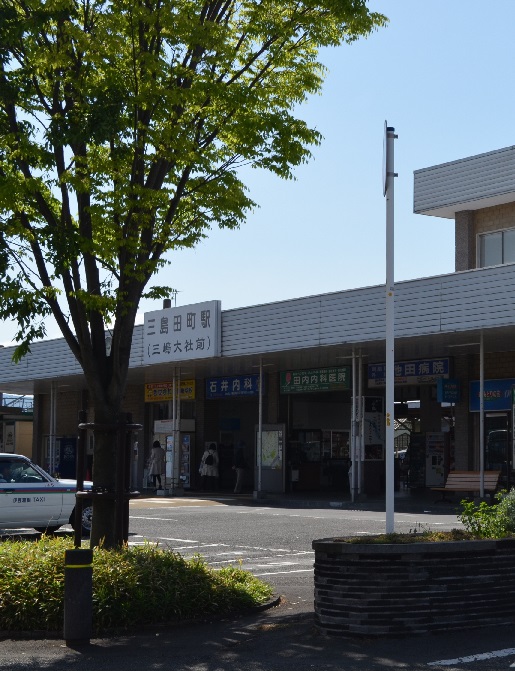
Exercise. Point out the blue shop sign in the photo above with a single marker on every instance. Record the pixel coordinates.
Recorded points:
(238, 385)
(425, 371)
(448, 391)
(497, 395)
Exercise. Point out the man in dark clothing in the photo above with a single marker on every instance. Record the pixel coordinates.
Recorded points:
(239, 466)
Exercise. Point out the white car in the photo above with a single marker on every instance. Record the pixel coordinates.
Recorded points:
(31, 498)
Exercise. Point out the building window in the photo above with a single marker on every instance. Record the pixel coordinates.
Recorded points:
(497, 247)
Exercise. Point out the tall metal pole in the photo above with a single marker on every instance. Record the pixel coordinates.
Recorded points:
(353, 431)
(260, 426)
(388, 178)
(169, 466)
(177, 434)
(481, 417)
(359, 418)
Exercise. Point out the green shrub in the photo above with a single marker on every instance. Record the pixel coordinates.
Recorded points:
(507, 509)
(490, 521)
(407, 538)
(131, 587)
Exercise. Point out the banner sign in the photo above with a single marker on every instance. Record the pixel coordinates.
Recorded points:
(373, 428)
(497, 395)
(320, 379)
(163, 391)
(238, 385)
(182, 333)
(426, 371)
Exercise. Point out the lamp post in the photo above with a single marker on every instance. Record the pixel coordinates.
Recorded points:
(260, 430)
(388, 192)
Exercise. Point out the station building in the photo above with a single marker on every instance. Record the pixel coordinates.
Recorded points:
(302, 382)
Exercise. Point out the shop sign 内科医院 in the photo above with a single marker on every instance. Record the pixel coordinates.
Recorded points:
(319, 379)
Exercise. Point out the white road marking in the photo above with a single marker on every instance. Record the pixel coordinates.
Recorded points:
(307, 551)
(262, 549)
(245, 559)
(183, 549)
(280, 563)
(202, 545)
(251, 511)
(304, 570)
(212, 563)
(473, 658)
(152, 518)
(178, 540)
(168, 500)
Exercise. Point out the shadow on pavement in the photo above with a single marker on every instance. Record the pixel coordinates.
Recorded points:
(273, 640)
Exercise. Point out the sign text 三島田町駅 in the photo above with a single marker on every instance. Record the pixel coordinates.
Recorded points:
(182, 333)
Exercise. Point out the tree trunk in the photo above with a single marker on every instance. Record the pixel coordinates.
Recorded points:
(103, 531)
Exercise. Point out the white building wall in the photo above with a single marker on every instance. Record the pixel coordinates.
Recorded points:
(461, 301)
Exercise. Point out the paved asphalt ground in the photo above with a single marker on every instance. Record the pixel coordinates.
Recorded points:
(282, 637)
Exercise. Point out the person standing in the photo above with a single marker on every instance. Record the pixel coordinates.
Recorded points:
(156, 464)
(209, 468)
(239, 466)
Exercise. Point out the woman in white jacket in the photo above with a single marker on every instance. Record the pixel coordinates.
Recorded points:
(209, 468)
(157, 464)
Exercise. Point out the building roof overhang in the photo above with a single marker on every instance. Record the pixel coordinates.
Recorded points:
(472, 183)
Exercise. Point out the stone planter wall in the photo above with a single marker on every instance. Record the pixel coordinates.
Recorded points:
(397, 590)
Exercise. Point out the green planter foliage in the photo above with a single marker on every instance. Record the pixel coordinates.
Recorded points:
(131, 587)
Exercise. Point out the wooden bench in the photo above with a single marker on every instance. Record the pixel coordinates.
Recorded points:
(468, 482)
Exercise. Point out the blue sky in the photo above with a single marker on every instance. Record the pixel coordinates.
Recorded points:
(441, 73)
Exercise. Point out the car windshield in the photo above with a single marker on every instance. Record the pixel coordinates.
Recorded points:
(18, 471)
(43, 472)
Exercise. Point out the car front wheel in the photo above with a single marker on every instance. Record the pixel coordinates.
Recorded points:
(86, 521)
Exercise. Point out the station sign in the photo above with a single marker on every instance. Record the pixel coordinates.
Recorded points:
(182, 333)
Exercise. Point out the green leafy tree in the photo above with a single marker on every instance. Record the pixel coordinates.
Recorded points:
(122, 127)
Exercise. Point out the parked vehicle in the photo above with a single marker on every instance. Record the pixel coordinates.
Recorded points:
(31, 498)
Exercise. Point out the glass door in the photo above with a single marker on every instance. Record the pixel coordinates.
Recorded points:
(497, 438)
